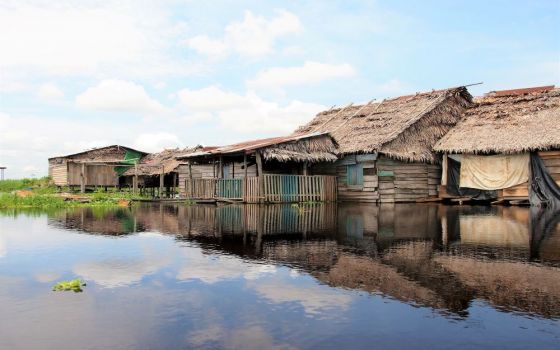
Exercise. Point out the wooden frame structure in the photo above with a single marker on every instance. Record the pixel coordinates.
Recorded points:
(271, 170)
(94, 168)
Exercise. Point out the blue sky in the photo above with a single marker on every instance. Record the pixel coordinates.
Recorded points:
(160, 74)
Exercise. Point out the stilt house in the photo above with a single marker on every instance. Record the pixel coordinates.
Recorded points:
(488, 154)
(385, 148)
(99, 167)
(265, 170)
(157, 173)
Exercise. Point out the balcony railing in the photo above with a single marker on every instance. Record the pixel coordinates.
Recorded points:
(267, 188)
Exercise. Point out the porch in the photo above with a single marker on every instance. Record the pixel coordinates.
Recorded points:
(268, 188)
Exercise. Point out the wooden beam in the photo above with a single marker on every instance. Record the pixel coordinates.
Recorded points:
(135, 180)
(83, 179)
(221, 168)
(161, 178)
(260, 174)
(444, 170)
(245, 165)
(305, 168)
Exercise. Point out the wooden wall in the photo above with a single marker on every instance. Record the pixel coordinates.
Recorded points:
(96, 175)
(551, 160)
(210, 171)
(384, 180)
(58, 173)
(406, 182)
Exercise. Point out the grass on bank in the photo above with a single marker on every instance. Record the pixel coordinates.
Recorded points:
(41, 193)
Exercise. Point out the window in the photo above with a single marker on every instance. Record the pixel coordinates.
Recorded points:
(227, 171)
(355, 175)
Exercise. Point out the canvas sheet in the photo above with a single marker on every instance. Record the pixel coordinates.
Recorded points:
(494, 172)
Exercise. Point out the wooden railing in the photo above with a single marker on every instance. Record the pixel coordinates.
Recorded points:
(298, 188)
(229, 188)
(200, 188)
(267, 188)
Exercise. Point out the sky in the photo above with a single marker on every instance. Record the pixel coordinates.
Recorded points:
(169, 73)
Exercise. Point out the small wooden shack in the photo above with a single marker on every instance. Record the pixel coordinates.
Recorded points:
(490, 147)
(98, 167)
(385, 148)
(156, 173)
(265, 170)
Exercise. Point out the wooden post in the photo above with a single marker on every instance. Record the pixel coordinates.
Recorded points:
(221, 168)
(444, 170)
(260, 174)
(161, 178)
(83, 179)
(245, 165)
(305, 168)
(190, 170)
(175, 184)
(135, 180)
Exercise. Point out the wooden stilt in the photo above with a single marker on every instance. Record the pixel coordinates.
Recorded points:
(161, 178)
(83, 179)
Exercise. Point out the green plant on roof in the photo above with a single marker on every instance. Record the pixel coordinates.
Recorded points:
(74, 285)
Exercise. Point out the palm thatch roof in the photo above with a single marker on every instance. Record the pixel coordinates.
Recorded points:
(112, 153)
(509, 121)
(310, 147)
(155, 163)
(404, 128)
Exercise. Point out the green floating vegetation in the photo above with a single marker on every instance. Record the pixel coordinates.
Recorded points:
(42, 183)
(74, 285)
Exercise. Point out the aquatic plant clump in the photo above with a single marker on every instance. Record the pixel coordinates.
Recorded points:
(74, 285)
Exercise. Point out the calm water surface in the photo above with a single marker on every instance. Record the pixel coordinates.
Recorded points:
(281, 277)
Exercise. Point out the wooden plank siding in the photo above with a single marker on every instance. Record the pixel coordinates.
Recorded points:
(267, 188)
(384, 180)
(551, 160)
(59, 174)
(95, 175)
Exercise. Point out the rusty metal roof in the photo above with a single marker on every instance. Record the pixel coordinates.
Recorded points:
(522, 91)
(249, 146)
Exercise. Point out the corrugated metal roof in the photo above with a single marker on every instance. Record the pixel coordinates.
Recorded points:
(522, 91)
(251, 145)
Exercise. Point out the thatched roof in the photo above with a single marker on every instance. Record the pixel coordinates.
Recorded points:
(155, 163)
(113, 153)
(509, 121)
(310, 147)
(404, 128)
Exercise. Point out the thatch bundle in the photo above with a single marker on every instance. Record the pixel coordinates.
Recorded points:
(156, 163)
(404, 128)
(316, 149)
(512, 121)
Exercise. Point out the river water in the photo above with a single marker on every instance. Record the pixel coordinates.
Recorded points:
(319, 276)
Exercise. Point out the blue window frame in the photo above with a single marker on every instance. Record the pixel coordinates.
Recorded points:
(355, 174)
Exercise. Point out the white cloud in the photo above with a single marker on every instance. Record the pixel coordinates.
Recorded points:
(310, 73)
(249, 112)
(156, 142)
(49, 91)
(315, 299)
(85, 38)
(201, 267)
(117, 272)
(392, 88)
(119, 96)
(160, 85)
(254, 36)
(207, 46)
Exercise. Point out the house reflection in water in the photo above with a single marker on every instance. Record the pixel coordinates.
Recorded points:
(434, 256)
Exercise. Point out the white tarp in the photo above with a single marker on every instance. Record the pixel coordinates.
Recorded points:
(494, 172)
